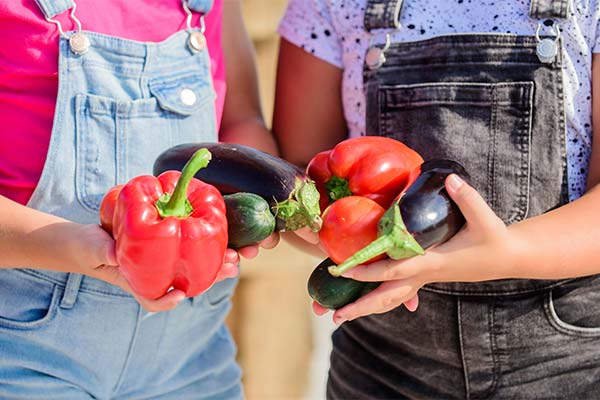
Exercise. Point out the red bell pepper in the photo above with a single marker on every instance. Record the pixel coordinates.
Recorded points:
(358, 180)
(170, 230)
(349, 224)
(375, 167)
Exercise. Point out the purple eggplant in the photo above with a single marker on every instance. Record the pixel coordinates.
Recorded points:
(234, 168)
(422, 217)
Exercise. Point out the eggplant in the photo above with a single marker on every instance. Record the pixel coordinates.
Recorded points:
(427, 210)
(335, 292)
(422, 217)
(234, 168)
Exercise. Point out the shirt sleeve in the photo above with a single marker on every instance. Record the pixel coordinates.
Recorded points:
(309, 25)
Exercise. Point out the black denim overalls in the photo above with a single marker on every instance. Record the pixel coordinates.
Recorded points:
(489, 102)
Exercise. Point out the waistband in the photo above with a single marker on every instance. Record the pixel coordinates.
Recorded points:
(73, 283)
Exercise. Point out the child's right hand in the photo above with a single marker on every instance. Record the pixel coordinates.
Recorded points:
(93, 253)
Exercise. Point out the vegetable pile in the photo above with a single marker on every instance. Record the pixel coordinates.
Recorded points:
(361, 226)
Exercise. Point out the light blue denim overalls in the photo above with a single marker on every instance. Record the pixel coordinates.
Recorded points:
(64, 336)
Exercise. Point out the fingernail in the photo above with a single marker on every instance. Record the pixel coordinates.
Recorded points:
(348, 274)
(338, 319)
(454, 182)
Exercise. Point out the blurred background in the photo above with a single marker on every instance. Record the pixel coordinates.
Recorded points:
(283, 348)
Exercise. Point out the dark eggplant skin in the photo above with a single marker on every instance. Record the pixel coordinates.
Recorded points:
(427, 210)
(236, 168)
(335, 292)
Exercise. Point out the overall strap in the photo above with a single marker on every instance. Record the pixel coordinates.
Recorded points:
(52, 8)
(382, 14)
(201, 6)
(550, 9)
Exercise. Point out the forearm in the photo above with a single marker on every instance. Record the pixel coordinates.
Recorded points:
(31, 238)
(249, 132)
(562, 243)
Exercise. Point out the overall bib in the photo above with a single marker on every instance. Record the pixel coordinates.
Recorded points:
(494, 104)
(66, 336)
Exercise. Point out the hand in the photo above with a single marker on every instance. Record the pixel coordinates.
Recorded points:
(94, 255)
(482, 250)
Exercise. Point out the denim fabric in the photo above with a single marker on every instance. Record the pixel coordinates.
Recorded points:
(488, 102)
(545, 345)
(64, 336)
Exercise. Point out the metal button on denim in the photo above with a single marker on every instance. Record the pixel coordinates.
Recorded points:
(188, 97)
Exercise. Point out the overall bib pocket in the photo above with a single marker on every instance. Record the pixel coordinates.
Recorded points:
(432, 118)
(110, 131)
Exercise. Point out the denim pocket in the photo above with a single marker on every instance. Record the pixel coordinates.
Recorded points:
(120, 139)
(432, 118)
(573, 308)
(27, 302)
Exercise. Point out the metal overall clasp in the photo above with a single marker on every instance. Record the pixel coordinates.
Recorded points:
(196, 40)
(375, 56)
(78, 41)
(547, 48)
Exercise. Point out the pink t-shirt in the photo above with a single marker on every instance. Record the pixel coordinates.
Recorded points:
(29, 71)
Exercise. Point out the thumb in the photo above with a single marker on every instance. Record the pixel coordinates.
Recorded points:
(471, 204)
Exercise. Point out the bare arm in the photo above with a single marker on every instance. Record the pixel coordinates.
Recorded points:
(594, 172)
(243, 121)
(308, 115)
(570, 245)
(38, 240)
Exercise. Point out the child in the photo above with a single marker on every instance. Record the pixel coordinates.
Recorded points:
(508, 307)
(116, 84)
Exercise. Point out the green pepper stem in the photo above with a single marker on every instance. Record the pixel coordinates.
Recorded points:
(177, 204)
(393, 239)
(378, 246)
(337, 188)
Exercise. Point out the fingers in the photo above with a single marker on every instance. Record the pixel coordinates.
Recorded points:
(471, 204)
(270, 242)
(386, 297)
(388, 269)
(164, 303)
(248, 252)
(308, 235)
(319, 309)
(412, 304)
(228, 270)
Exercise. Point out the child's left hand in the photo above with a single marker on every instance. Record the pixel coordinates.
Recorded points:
(482, 250)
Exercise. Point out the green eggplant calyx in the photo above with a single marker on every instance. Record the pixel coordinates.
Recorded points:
(301, 209)
(337, 188)
(177, 204)
(393, 239)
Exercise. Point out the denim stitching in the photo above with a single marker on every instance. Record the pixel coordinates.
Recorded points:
(479, 292)
(564, 327)
(49, 316)
(128, 357)
(494, 350)
(462, 349)
(83, 288)
(491, 189)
